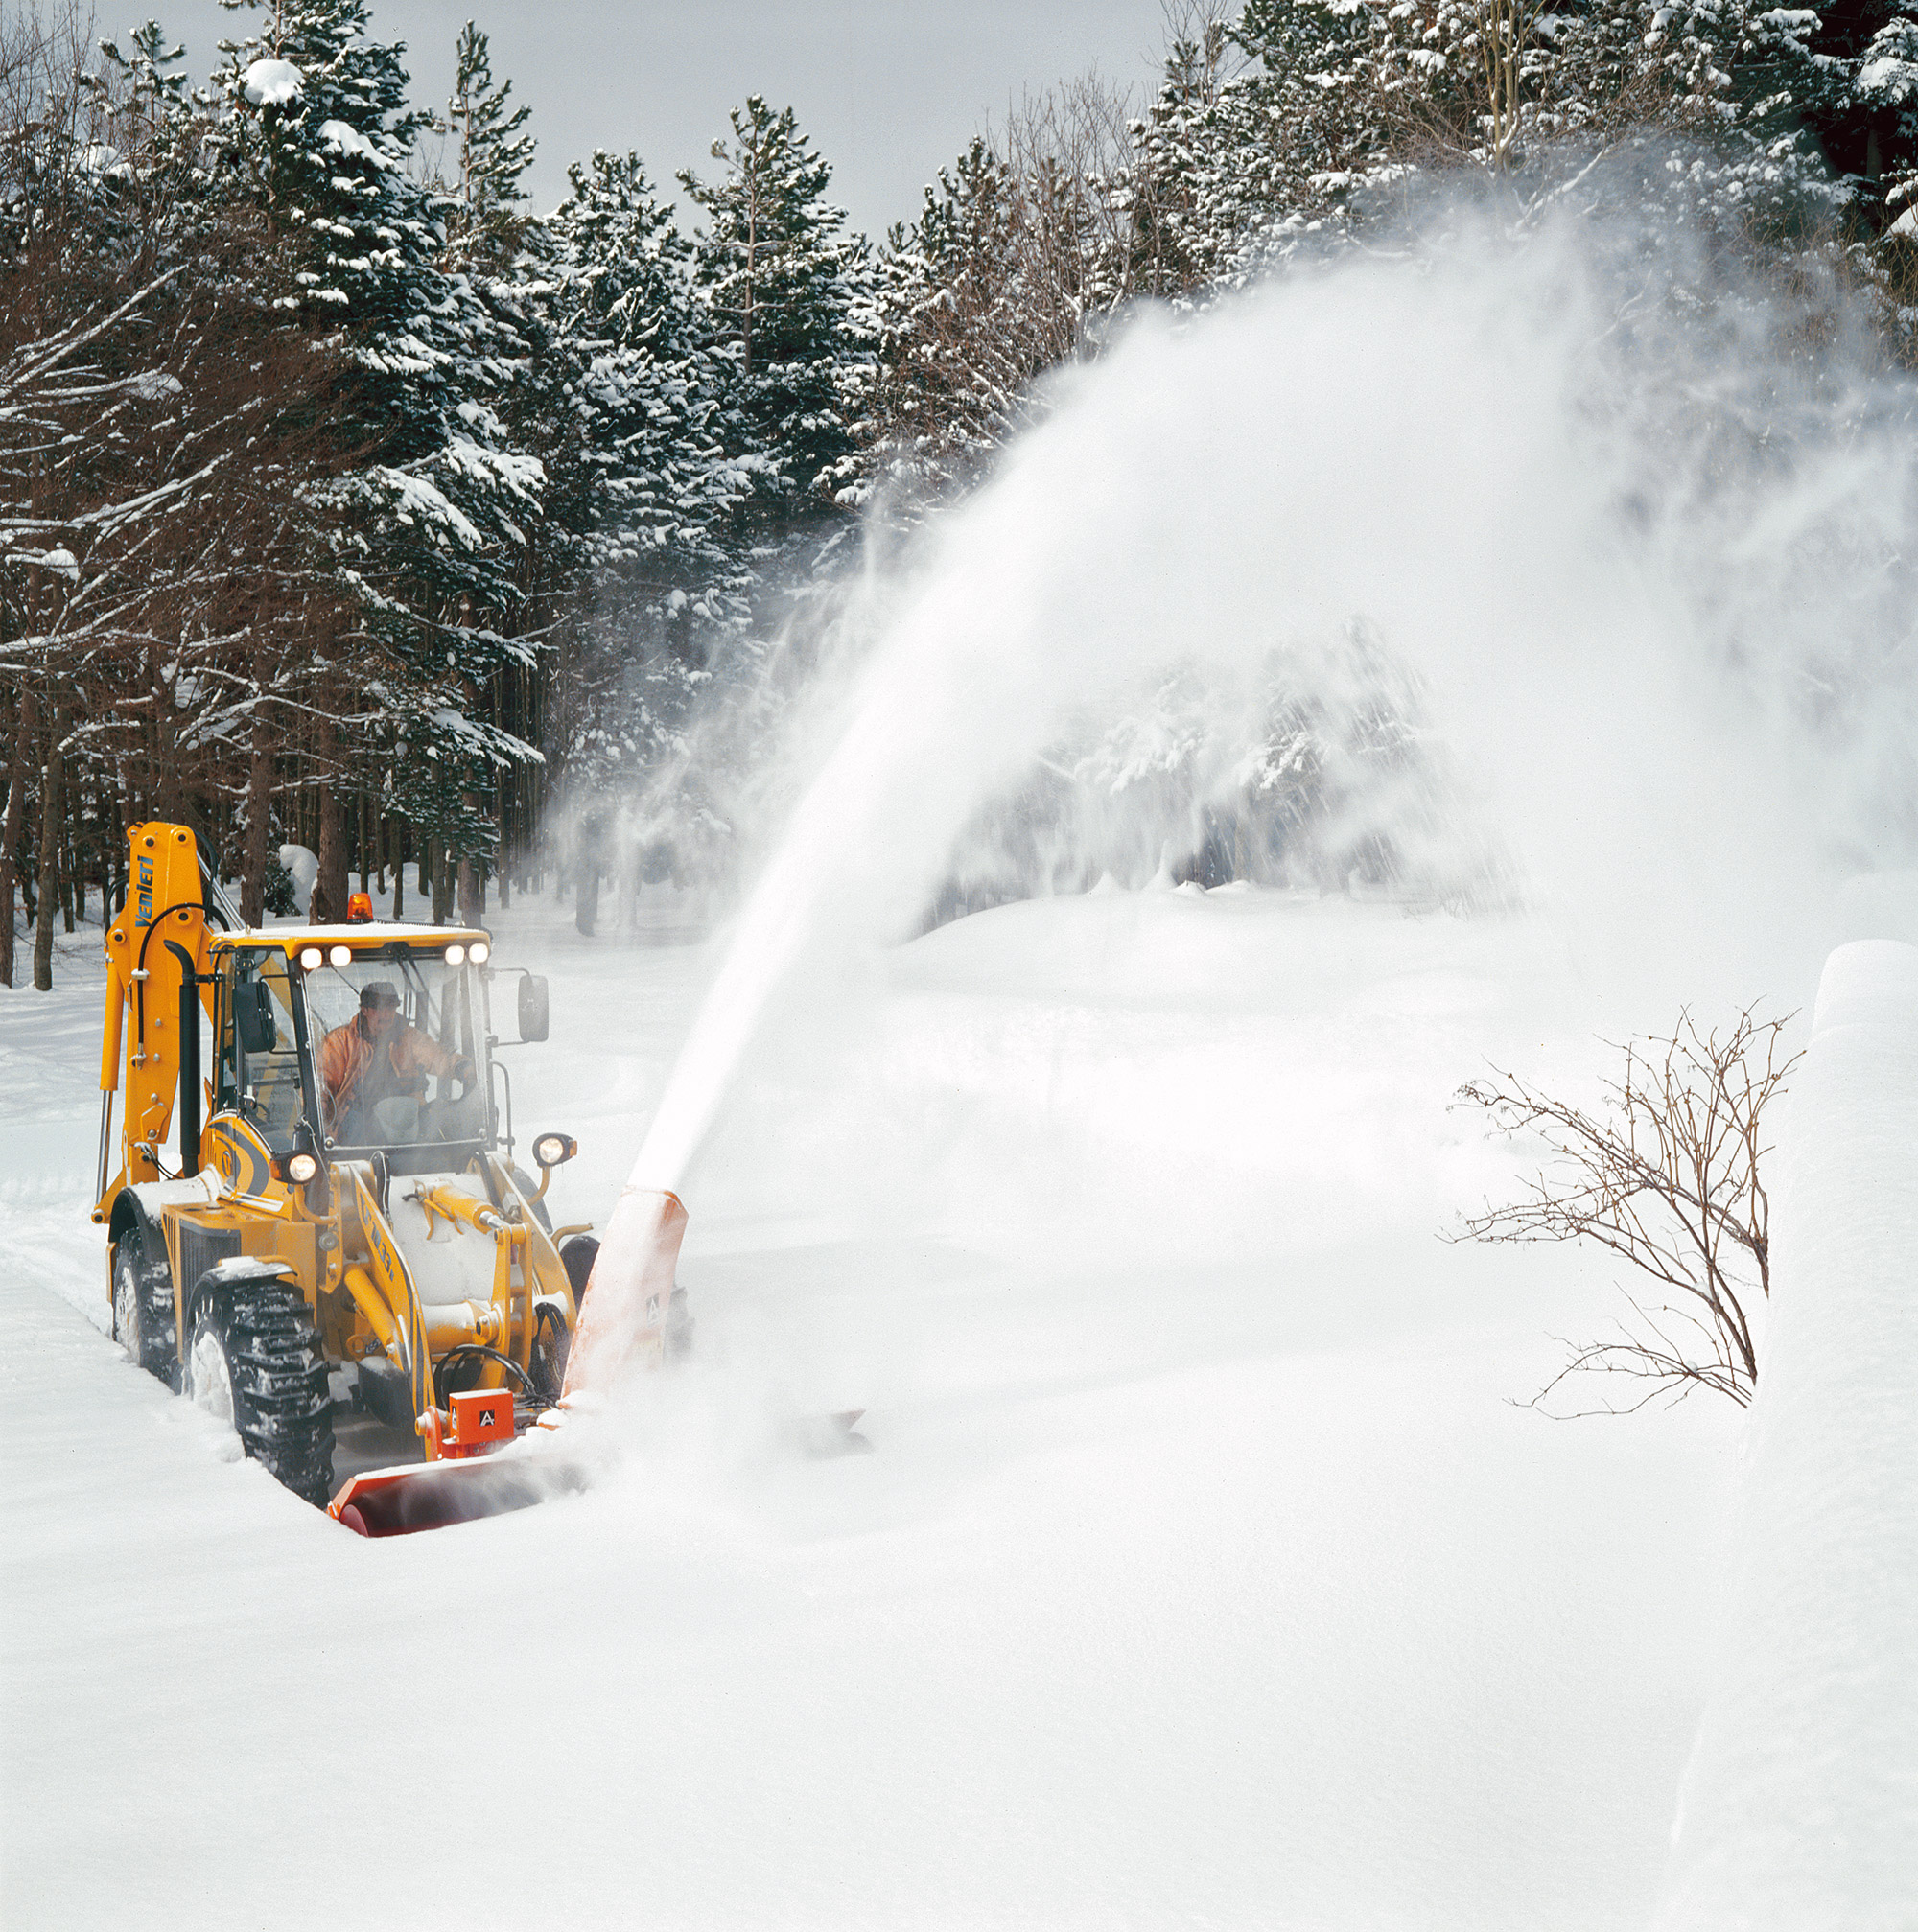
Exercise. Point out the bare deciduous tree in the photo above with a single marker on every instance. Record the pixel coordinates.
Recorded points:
(1665, 1173)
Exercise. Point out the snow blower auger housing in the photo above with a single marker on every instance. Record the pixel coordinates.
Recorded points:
(345, 1230)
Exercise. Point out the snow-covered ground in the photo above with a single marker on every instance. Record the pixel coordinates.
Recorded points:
(1201, 1573)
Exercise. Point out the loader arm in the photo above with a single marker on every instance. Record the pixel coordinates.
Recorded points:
(156, 940)
(383, 1289)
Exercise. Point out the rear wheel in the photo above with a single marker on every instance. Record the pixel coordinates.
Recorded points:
(143, 1305)
(255, 1364)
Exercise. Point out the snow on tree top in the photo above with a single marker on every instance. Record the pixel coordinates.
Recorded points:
(343, 138)
(272, 82)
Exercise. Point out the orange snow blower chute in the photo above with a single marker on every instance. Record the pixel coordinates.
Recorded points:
(622, 1328)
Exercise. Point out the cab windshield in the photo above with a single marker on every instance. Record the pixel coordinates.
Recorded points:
(398, 1059)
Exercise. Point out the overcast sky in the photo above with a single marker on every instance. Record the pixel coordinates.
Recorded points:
(889, 90)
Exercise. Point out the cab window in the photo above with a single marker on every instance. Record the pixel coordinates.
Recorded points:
(412, 1080)
(259, 1060)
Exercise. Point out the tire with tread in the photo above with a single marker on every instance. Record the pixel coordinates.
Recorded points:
(530, 1187)
(253, 1333)
(143, 1305)
(578, 1256)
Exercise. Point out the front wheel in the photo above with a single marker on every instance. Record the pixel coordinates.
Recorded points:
(578, 1256)
(142, 1306)
(530, 1187)
(254, 1363)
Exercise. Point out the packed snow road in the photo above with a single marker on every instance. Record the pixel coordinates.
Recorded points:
(1201, 1572)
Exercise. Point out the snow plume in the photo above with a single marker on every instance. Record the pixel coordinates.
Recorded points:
(1635, 531)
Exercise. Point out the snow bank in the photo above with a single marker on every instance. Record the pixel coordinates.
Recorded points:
(1800, 1804)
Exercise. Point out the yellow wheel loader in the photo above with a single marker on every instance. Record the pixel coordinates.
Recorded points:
(343, 1230)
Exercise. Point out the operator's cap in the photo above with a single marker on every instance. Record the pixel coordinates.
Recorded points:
(379, 992)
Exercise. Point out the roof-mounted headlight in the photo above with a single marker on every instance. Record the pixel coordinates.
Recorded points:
(478, 952)
(340, 955)
(312, 957)
(455, 955)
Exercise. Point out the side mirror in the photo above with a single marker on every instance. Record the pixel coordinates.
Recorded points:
(253, 1016)
(532, 1007)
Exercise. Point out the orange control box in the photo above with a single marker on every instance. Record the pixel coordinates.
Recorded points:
(481, 1415)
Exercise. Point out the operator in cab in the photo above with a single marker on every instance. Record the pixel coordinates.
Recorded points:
(374, 1072)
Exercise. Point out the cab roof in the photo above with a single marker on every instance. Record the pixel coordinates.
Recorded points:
(363, 936)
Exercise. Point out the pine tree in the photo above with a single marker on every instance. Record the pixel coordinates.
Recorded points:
(431, 527)
(1886, 91)
(964, 332)
(484, 227)
(786, 291)
(636, 436)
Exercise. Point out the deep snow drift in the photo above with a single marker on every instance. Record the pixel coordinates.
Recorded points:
(1200, 1572)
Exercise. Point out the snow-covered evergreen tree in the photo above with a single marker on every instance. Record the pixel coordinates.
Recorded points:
(786, 292)
(955, 354)
(490, 152)
(430, 528)
(641, 482)
(1885, 89)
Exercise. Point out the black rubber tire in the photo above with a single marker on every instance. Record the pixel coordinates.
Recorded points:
(530, 1187)
(282, 1408)
(142, 1306)
(577, 1257)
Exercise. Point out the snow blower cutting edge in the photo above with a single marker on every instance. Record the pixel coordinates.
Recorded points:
(346, 1230)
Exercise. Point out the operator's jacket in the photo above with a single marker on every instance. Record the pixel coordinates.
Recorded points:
(347, 1053)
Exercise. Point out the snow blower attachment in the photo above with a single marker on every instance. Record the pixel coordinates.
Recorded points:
(343, 1233)
(621, 1326)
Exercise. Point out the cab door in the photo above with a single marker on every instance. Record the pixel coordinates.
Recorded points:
(259, 1095)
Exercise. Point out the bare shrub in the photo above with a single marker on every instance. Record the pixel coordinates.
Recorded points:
(1666, 1174)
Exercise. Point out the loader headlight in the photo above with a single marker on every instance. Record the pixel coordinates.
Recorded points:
(312, 957)
(478, 952)
(301, 1168)
(340, 955)
(455, 955)
(550, 1150)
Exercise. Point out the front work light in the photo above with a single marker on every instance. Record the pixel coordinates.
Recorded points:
(301, 1168)
(340, 955)
(550, 1150)
(312, 957)
(455, 955)
(478, 952)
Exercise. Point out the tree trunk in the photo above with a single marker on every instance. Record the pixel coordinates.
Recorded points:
(330, 889)
(14, 824)
(398, 834)
(52, 807)
(472, 893)
(259, 812)
(504, 869)
(73, 881)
